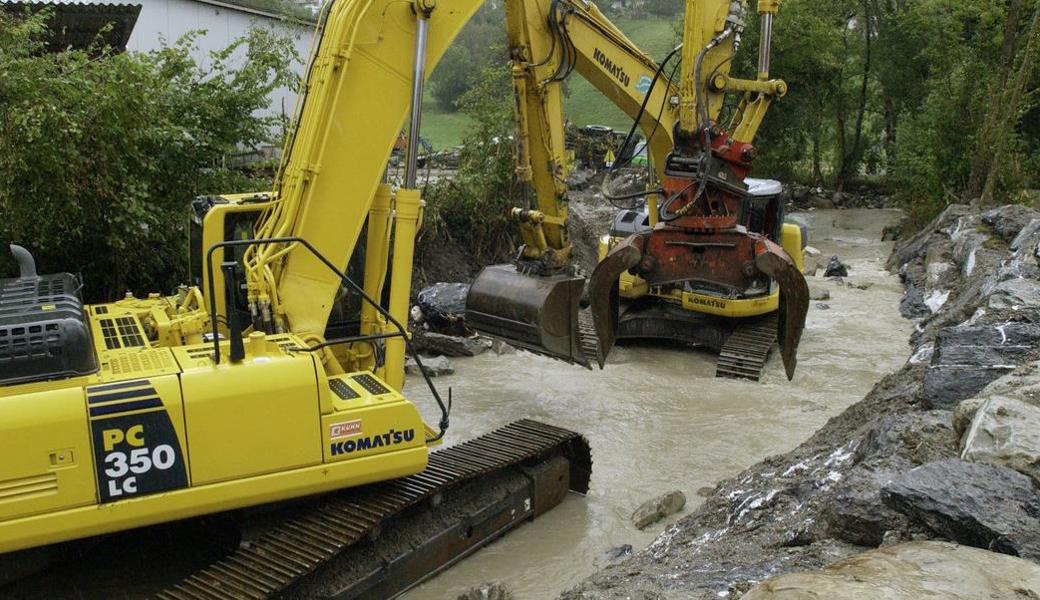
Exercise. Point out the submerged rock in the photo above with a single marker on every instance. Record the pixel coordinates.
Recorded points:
(614, 555)
(819, 293)
(449, 345)
(435, 366)
(909, 572)
(1005, 432)
(487, 591)
(975, 504)
(654, 510)
(836, 268)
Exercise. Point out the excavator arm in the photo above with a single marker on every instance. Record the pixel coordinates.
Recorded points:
(534, 303)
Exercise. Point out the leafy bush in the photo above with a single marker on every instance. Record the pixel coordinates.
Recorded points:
(472, 209)
(102, 153)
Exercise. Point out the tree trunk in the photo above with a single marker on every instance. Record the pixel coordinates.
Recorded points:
(1011, 109)
(850, 159)
(988, 138)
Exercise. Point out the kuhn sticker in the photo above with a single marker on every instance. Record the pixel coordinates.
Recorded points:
(344, 429)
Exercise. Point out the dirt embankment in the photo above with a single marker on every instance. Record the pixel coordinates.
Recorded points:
(943, 449)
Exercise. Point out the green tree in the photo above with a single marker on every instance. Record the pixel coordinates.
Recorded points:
(103, 154)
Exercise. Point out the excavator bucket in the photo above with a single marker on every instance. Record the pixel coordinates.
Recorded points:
(537, 313)
(772, 260)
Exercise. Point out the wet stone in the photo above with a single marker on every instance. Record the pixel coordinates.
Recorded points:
(978, 505)
(908, 572)
(658, 508)
(819, 293)
(1006, 432)
(443, 306)
(449, 345)
(487, 591)
(912, 305)
(614, 555)
(836, 268)
(435, 366)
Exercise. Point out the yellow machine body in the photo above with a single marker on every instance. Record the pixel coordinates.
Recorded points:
(162, 433)
(633, 287)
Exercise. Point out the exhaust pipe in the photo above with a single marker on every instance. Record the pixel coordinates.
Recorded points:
(25, 260)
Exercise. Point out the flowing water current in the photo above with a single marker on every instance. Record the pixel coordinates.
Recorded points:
(658, 420)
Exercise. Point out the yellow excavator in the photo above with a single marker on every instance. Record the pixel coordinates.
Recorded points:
(277, 371)
(710, 259)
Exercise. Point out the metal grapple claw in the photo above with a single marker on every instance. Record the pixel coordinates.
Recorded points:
(772, 260)
(604, 296)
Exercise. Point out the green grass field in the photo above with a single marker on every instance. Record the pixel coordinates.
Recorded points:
(583, 104)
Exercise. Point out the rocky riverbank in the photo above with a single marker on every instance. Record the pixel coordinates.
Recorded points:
(943, 450)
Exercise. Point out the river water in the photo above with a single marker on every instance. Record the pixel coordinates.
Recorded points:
(658, 420)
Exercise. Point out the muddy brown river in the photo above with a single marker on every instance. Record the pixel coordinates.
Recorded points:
(658, 419)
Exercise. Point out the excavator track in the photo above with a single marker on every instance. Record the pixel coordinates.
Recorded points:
(746, 350)
(298, 546)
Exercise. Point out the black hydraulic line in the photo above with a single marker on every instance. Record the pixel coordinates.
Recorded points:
(402, 332)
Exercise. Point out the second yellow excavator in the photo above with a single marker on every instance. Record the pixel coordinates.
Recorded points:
(711, 259)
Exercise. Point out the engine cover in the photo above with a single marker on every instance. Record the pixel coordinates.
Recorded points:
(43, 330)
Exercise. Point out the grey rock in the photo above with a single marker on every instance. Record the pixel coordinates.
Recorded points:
(1009, 220)
(579, 179)
(435, 366)
(946, 385)
(912, 305)
(979, 505)
(658, 508)
(965, 413)
(857, 515)
(968, 358)
(444, 307)
(1015, 294)
(449, 345)
(911, 571)
(487, 591)
(819, 293)
(915, 438)
(501, 348)
(1006, 432)
(836, 268)
(614, 555)
(1023, 236)
(822, 306)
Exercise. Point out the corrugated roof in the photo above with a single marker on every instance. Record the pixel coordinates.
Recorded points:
(77, 26)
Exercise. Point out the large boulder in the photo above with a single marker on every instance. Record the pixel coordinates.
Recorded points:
(910, 572)
(968, 358)
(1009, 220)
(443, 306)
(1005, 432)
(658, 508)
(980, 505)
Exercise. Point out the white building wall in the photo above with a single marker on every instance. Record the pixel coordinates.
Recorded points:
(223, 24)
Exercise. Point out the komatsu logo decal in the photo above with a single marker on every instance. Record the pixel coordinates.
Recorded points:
(712, 302)
(390, 438)
(608, 65)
